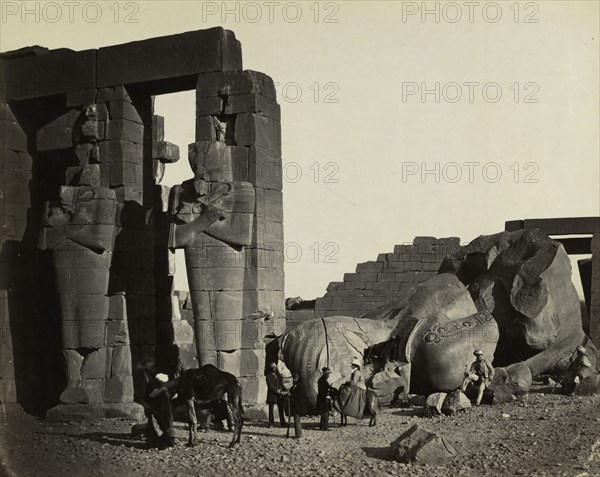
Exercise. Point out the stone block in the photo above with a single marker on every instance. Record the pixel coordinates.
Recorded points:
(258, 130)
(165, 152)
(158, 128)
(125, 130)
(119, 151)
(269, 204)
(52, 137)
(211, 105)
(253, 333)
(158, 172)
(229, 361)
(219, 162)
(254, 389)
(81, 97)
(90, 175)
(96, 365)
(80, 307)
(12, 136)
(232, 83)
(252, 103)
(123, 110)
(159, 61)
(252, 362)
(119, 389)
(87, 391)
(73, 363)
(218, 279)
(83, 334)
(120, 364)
(205, 129)
(56, 72)
(130, 193)
(116, 93)
(117, 333)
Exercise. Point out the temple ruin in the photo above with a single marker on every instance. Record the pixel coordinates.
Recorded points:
(89, 232)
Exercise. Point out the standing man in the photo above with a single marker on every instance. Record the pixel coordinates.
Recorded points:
(275, 395)
(324, 399)
(294, 401)
(480, 374)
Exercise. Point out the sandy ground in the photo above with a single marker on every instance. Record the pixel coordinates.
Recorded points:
(544, 435)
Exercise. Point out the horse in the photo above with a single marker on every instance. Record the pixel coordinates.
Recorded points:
(208, 384)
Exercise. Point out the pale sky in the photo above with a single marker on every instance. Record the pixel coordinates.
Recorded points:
(352, 110)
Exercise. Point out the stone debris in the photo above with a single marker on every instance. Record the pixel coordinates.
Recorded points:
(421, 446)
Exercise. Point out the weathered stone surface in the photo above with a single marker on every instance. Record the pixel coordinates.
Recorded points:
(165, 152)
(95, 364)
(332, 340)
(234, 83)
(73, 363)
(257, 130)
(119, 151)
(437, 327)
(179, 56)
(421, 446)
(158, 128)
(125, 130)
(510, 382)
(57, 72)
(588, 386)
(13, 137)
(255, 389)
(82, 412)
(433, 404)
(58, 134)
(118, 389)
(523, 279)
(87, 391)
(120, 364)
(455, 401)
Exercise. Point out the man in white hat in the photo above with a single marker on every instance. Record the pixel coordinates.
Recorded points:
(480, 374)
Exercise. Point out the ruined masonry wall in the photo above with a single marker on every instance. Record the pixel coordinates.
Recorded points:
(377, 282)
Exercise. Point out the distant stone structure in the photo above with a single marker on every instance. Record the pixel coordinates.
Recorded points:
(378, 282)
(88, 231)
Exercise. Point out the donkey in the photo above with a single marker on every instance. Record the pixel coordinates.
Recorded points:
(371, 403)
(205, 385)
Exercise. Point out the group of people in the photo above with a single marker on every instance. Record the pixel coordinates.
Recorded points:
(481, 372)
(290, 400)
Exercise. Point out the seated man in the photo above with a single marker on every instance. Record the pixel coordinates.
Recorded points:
(160, 432)
(480, 374)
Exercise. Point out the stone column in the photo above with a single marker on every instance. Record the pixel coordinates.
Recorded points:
(17, 372)
(99, 138)
(235, 266)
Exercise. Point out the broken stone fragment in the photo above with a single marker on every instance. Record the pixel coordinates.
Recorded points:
(455, 401)
(165, 152)
(433, 404)
(421, 446)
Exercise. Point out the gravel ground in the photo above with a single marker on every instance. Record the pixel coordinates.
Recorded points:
(543, 435)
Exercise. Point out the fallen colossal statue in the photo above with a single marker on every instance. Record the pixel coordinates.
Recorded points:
(508, 294)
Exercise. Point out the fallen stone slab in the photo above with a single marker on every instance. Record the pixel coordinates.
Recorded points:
(433, 404)
(421, 446)
(455, 401)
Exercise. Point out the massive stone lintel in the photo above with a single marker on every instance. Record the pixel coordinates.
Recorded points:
(161, 65)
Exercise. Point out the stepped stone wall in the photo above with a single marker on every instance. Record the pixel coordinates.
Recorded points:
(377, 282)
